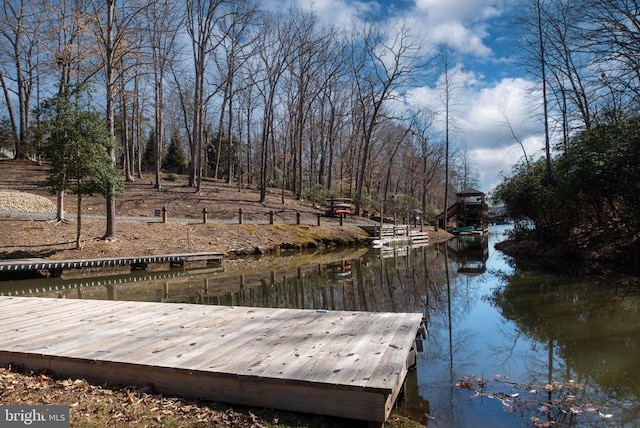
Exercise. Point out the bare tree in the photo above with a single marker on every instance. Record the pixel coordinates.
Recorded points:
(448, 85)
(568, 66)
(113, 22)
(515, 137)
(247, 106)
(467, 174)
(612, 33)
(381, 64)
(272, 52)
(421, 125)
(536, 45)
(163, 19)
(110, 42)
(21, 27)
(313, 62)
(235, 48)
(395, 136)
(202, 20)
(333, 121)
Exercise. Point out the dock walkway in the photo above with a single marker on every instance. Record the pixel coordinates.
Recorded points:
(71, 268)
(337, 363)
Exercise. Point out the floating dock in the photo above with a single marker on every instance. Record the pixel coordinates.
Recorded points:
(336, 363)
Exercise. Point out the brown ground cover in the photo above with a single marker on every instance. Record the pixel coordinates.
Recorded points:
(28, 237)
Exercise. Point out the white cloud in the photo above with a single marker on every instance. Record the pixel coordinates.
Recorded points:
(499, 127)
(461, 24)
(492, 110)
(495, 162)
(484, 118)
(340, 13)
(463, 39)
(466, 10)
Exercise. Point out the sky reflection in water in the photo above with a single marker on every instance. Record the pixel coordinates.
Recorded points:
(521, 345)
(508, 344)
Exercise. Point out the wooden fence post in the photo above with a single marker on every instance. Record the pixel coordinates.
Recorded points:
(204, 215)
(164, 214)
(240, 216)
(271, 217)
(297, 217)
(318, 219)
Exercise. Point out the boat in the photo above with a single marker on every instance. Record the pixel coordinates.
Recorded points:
(462, 230)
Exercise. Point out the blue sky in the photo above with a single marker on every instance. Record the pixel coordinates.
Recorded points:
(493, 97)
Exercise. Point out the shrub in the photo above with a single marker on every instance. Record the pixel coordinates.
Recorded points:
(318, 194)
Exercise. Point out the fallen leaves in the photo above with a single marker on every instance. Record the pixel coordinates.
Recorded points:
(551, 404)
(94, 406)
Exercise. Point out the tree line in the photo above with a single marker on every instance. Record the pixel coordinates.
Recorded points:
(278, 100)
(586, 57)
(262, 98)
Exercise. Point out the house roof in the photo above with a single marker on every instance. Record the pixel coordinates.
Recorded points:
(470, 191)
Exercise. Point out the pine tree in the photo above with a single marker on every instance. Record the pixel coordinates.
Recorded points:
(175, 157)
(149, 155)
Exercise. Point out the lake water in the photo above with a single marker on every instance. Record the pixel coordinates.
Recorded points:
(508, 344)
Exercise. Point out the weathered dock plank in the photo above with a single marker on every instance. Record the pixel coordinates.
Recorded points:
(347, 364)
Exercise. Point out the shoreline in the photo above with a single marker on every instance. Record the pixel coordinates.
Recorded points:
(37, 238)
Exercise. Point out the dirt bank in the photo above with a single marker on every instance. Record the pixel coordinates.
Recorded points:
(595, 247)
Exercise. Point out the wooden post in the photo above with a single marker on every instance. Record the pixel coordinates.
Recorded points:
(318, 219)
(381, 218)
(341, 219)
(164, 214)
(204, 215)
(298, 217)
(240, 216)
(271, 217)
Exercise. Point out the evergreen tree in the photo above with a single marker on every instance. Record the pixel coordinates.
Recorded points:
(76, 147)
(149, 155)
(175, 157)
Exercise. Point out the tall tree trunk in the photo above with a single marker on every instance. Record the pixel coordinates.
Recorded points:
(109, 74)
(545, 104)
(220, 134)
(60, 206)
(159, 131)
(230, 146)
(79, 222)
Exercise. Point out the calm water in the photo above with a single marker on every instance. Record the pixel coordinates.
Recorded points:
(508, 344)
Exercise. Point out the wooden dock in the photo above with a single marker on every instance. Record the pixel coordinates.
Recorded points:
(98, 266)
(345, 364)
(396, 235)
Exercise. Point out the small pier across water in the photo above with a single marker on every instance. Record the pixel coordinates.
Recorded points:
(337, 363)
(394, 234)
(101, 266)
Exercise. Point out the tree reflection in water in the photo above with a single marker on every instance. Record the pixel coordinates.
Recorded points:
(495, 329)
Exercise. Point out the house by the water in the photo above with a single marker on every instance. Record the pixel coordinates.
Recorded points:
(468, 215)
